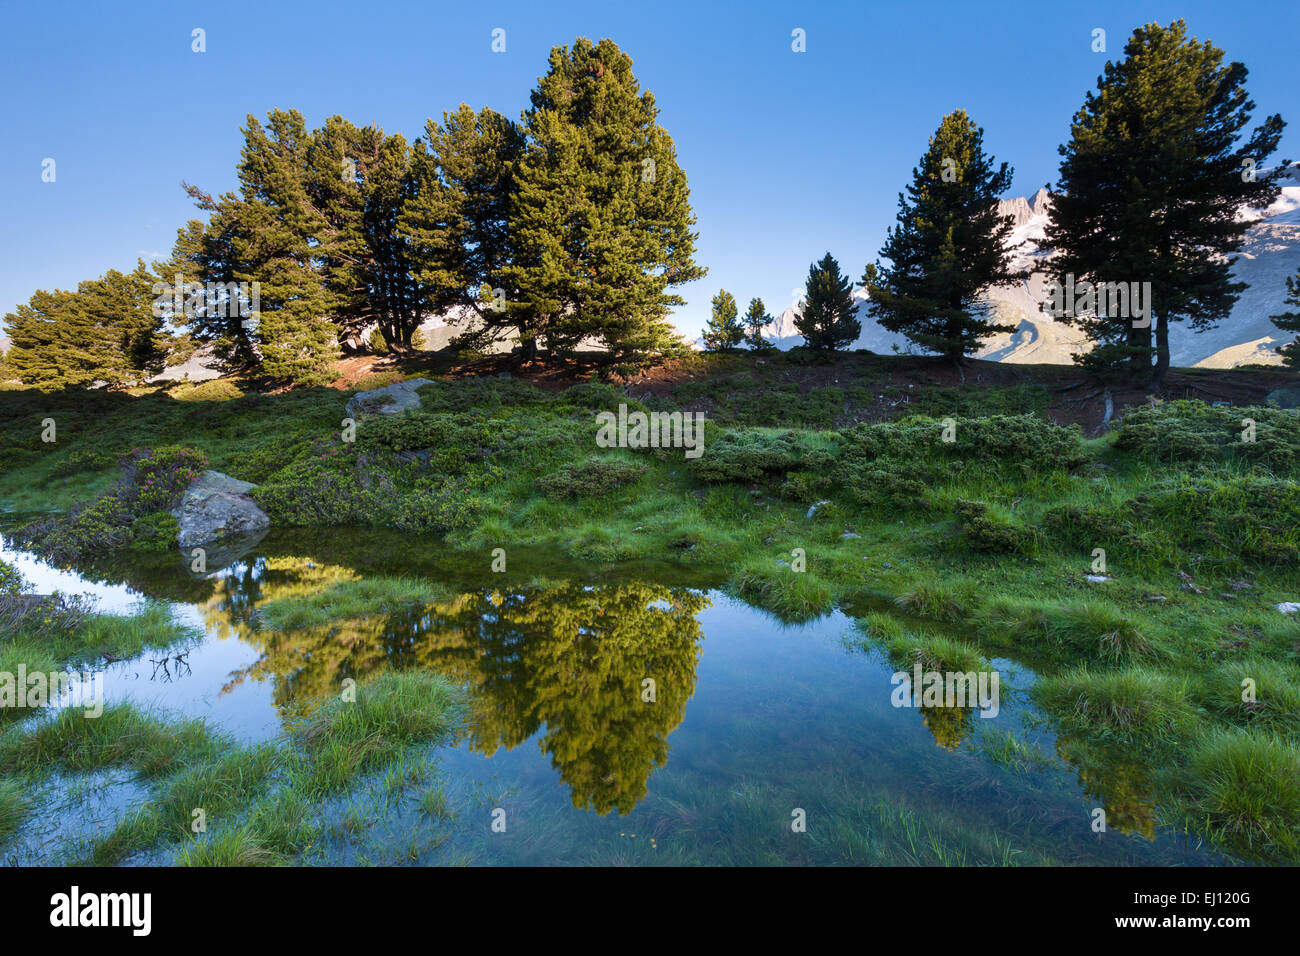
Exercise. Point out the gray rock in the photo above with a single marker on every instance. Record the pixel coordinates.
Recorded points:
(813, 510)
(389, 400)
(217, 506)
(1285, 397)
(847, 535)
(1288, 607)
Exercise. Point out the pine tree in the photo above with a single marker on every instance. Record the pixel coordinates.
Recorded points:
(204, 253)
(826, 320)
(360, 180)
(1290, 322)
(277, 227)
(756, 320)
(723, 331)
(600, 217)
(1151, 186)
(457, 222)
(948, 247)
(104, 333)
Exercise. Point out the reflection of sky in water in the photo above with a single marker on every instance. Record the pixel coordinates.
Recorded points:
(788, 709)
(44, 579)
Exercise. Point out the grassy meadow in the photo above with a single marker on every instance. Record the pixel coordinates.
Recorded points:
(1138, 569)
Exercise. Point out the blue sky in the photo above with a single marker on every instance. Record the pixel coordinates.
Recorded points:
(788, 154)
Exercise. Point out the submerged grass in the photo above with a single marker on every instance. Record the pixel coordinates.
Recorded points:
(218, 802)
(346, 600)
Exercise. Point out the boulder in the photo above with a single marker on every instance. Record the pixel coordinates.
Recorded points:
(389, 400)
(217, 506)
(1285, 397)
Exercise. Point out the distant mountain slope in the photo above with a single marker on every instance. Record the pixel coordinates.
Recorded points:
(1269, 255)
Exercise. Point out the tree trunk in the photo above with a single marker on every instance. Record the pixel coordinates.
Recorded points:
(1162, 351)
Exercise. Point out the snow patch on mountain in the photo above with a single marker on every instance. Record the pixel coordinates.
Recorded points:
(1269, 254)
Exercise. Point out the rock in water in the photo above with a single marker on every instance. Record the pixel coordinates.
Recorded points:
(217, 506)
(389, 400)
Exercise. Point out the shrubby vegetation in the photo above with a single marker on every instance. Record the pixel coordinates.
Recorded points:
(135, 513)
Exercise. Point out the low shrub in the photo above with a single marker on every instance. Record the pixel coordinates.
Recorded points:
(990, 532)
(593, 477)
(151, 484)
(1191, 431)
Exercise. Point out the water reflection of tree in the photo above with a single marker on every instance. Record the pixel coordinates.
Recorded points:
(568, 658)
(574, 659)
(1119, 782)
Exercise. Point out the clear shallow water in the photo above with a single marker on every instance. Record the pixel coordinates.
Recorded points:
(753, 724)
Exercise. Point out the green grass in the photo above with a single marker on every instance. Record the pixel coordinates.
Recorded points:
(237, 847)
(947, 552)
(793, 596)
(121, 736)
(264, 804)
(14, 805)
(1242, 791)
(1134, 704)
(349, 599)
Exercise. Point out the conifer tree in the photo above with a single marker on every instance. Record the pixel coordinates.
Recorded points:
(203, 253)
(457, 222)
(948, 247)
(359, 180)
(104, 333)
(600, 218)
(274, 242)
(1290, 322)
(1151, 186)
(826, 320)
(723, 330)
(756, 320)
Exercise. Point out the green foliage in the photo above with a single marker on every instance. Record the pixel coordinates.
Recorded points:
(104, 332)
(949, 246)
(827, 319)
(478, 393)
(988, 531)
(11, 582)
(447, 442)
(377, 487)
(600, 215)
(1191, 431)
(1173, 109)
(1021, 443)
(1226, 524)
(1290, 322)
(82, 460)
(723, 331)
(134, 511)
(592, 477)
(754, 455)
(755, 320)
